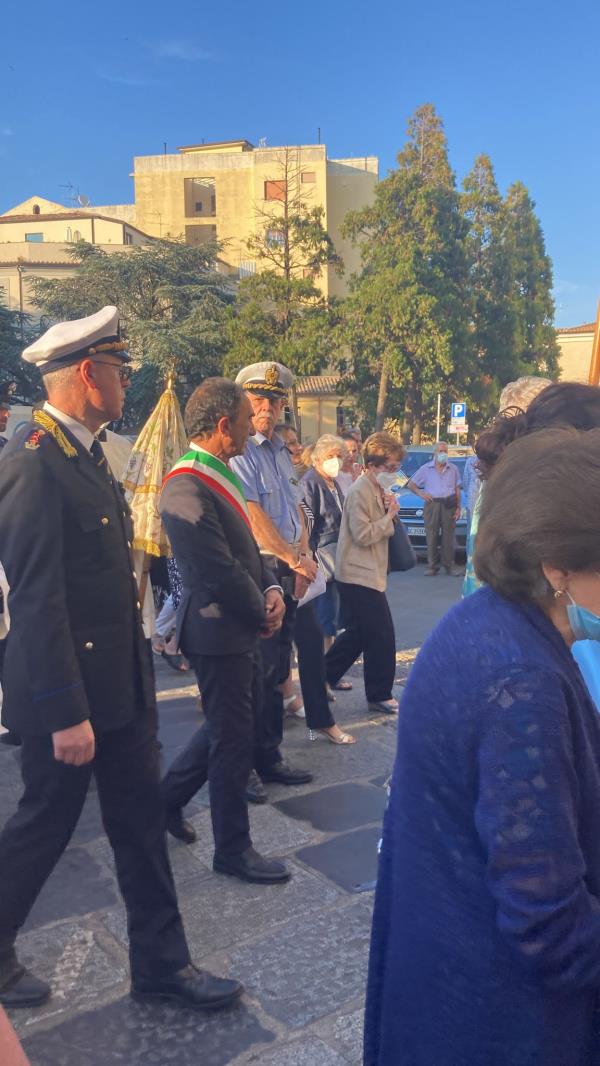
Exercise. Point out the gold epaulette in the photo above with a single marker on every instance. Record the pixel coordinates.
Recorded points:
(44, 419)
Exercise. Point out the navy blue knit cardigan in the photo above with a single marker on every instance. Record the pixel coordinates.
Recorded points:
(485, 946)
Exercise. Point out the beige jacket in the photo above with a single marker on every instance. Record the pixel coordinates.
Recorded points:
(363, 548)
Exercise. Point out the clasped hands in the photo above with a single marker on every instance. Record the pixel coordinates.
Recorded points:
(275, 611)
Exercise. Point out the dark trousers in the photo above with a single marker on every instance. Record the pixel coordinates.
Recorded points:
(439, 526)
(370, 630)
(222, 751)
(126, 769)
(276, 654)
(311, 668)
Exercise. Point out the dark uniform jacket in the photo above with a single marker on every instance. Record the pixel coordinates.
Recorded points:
(76, 648)
(223, 573)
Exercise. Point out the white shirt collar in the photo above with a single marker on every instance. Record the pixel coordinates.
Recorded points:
(81, 432)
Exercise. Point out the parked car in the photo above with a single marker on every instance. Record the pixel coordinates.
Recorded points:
(412, 507)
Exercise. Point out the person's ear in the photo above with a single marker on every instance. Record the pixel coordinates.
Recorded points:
(556, 578)
(87, 372)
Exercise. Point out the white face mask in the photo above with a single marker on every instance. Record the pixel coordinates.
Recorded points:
(331, 467)
(387, 480)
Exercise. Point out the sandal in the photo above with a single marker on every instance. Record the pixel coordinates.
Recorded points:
(343, 686)
(341, 738)
(175, 662)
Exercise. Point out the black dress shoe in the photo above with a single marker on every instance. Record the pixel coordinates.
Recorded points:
(250, 866)
(179, 828)
(23, 989)
(286, 775)
(255, 790)
(190, 987)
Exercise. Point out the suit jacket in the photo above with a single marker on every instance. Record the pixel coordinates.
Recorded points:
(76, 647)
(362, 556)
(223, 573)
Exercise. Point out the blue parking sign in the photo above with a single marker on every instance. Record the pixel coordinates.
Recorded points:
(459, 412)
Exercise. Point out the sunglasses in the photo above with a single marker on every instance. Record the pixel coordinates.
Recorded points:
(124, 371)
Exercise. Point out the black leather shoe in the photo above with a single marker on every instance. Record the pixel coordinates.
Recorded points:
(255, 790)
(23, 989)
(286, 775)
(191, 987)
(250, 866)
(179, 828)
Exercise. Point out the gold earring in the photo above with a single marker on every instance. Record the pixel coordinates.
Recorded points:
(558, 593)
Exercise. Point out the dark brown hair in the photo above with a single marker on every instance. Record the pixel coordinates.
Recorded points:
(541, 504)
(564, 404)
(379, 448)
(214, 399)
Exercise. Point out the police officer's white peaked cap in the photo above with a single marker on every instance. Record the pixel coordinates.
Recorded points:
(67, 342)
(266, 379)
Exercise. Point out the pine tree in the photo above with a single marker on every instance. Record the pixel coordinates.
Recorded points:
(172, 306)
(490, 282)
(536, 347)
(406, 313)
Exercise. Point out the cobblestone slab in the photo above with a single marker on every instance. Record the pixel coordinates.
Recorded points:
(309, 1052)
(222, 912)
(272, 833)
(336, 809)
(350, 860)
(309, 967)
(77, 885)
(77, 965)
(126, 1033)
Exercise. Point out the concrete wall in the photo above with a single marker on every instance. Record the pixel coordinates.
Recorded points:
(575, 355)
(59, 231)
(350, 185)
(36, 260)
(163, 209)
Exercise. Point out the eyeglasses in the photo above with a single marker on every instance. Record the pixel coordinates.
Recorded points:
(123, 370)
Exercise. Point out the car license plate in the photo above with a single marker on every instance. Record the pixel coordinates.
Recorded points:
(415, 531)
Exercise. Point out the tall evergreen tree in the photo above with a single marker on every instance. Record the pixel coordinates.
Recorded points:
(172, 305)
(536, 347)
(491, 284)
(16, 332)
(406, 313)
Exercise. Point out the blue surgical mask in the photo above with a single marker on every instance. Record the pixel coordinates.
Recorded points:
(441, 458)
(585, 625)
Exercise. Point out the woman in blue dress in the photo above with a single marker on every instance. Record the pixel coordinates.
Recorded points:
(485, 946)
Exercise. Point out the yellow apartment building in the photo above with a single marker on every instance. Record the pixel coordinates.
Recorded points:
(36, 237)
(222, 191)
(575, 343)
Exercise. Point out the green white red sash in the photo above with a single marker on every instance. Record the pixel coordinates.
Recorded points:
(217, 475)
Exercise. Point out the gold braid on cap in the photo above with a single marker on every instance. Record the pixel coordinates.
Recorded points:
(264, 387)
(110, 346)
(44, 419)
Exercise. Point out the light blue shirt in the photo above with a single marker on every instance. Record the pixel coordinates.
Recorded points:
(438, 481)
(471, 481)
(267, 474)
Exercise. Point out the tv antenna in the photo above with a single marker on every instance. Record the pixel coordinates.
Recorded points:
(262, 142)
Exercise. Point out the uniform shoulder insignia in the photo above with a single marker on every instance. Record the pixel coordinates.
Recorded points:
(33, 439)
(50, 426)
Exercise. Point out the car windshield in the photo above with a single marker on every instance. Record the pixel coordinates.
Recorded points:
(413, 460)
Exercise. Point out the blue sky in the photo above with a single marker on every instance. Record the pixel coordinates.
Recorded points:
(84, 88)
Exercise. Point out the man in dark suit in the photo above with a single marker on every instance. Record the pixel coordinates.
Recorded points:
(230, 600)
(78, 682)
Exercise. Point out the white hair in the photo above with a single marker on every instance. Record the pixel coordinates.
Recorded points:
(327, 443)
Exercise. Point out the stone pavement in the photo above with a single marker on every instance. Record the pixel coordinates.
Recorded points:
(300, 948)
